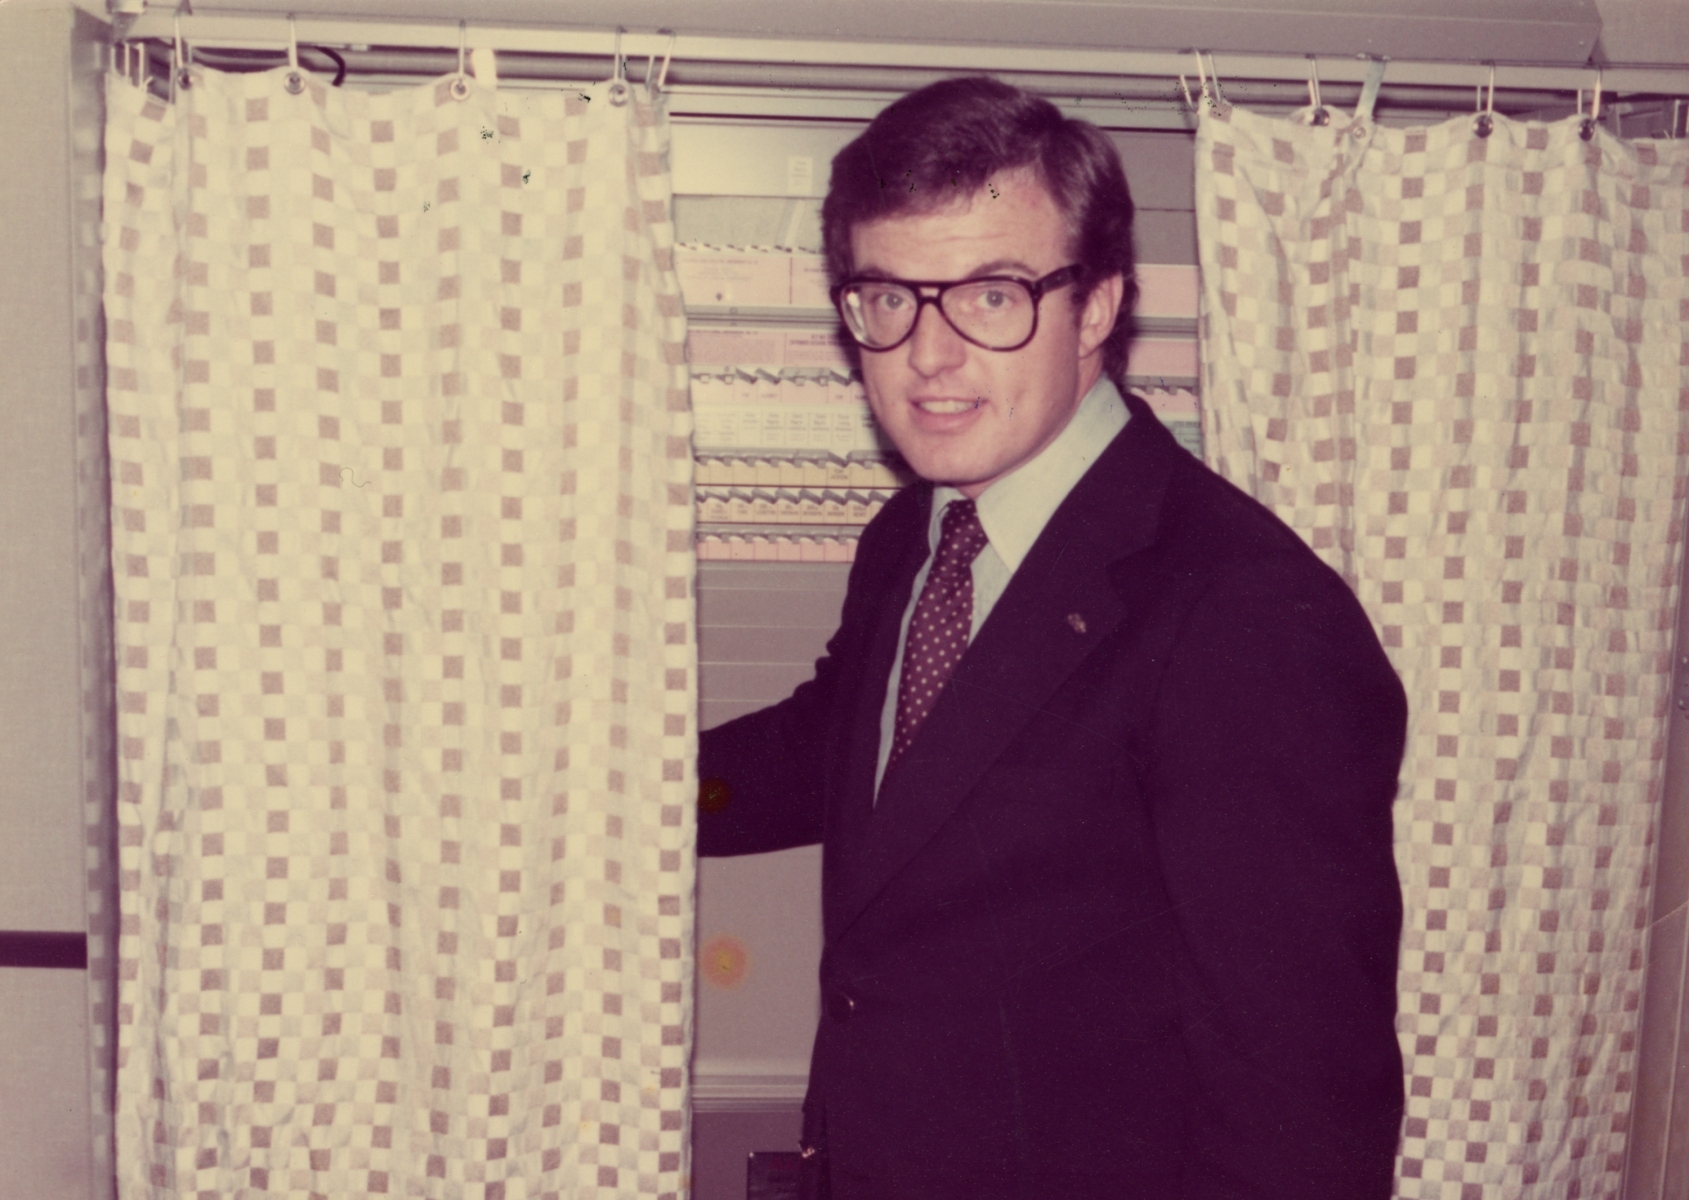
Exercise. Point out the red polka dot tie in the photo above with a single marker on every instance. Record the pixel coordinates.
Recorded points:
(941, 623)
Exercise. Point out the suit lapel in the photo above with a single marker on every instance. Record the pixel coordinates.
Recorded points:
(1056, 610)
(856, 753)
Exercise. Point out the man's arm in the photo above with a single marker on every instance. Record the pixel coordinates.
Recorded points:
(762, 776)
(1279, 738)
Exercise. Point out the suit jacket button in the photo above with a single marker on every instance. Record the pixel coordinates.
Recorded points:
(841, 1006)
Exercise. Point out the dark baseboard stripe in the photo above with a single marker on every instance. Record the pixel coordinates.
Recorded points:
(20, 948)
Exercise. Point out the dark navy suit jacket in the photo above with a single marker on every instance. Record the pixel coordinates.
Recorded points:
(1123, 921)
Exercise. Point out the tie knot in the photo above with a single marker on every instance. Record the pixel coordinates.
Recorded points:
(961, 536)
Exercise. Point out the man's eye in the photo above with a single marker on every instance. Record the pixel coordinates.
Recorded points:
(990, 299)
(889, 301)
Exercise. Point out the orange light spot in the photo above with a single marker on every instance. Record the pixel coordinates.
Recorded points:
(724, 961)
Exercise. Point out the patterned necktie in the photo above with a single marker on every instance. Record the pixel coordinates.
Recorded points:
(940, 624)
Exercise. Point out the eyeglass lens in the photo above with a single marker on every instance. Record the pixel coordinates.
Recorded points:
(995, 313)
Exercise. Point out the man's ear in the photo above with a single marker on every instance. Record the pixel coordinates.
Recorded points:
(1096, 318)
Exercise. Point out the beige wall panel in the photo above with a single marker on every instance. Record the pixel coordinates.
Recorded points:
(44, 1110)
(41, 872)
(1657, 1161)
(1643, 31)
(760, 629)
(55, 671)
(756, 1018)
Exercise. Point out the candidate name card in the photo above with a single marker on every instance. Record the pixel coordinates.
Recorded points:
(733, 278)
(810, 286)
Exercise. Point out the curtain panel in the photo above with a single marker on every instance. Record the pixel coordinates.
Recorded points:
(402, 535)
(1455, 364)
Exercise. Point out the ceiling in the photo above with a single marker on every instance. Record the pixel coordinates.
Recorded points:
(1518, 31)
(1569, 32)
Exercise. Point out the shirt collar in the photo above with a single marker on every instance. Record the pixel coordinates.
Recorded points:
(1015, 509)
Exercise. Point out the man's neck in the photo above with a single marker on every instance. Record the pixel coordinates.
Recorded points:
(1015, 508)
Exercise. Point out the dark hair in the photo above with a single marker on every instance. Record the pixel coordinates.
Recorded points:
(948, 139)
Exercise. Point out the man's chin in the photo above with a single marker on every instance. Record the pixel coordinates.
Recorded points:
(970, 480)
(937, 469)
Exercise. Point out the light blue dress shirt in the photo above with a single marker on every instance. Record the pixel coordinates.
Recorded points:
(1013, 512)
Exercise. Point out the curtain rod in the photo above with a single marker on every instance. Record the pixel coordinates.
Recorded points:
(267, 32)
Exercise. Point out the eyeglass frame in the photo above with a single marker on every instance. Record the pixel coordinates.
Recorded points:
(1038, 288)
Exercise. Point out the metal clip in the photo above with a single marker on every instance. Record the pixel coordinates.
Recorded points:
(1485, 124)
(460, 85)
(619, 90)
(1320, 115)
(180, 76)
(295, 80)
(1586, 131)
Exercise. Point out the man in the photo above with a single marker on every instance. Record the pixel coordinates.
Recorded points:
(1101, 756)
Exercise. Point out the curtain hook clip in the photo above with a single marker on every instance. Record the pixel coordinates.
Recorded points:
(1220, 100)
(1485, 124)
(179, 76)
(1587, 130)
(460, 84)
(1210, 95)
(668, 53)
(1321, 115)
(618, 70)
(295, 80)
(1376, 66)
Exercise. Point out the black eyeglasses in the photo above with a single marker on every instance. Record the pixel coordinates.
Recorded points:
(994, 312)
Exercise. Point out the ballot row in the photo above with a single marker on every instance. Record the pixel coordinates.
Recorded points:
(776, 547)
(789, 506)
(834, 474)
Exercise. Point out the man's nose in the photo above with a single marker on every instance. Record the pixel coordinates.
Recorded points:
(935, 347)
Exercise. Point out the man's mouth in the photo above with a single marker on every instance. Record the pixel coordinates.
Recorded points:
(945, 408)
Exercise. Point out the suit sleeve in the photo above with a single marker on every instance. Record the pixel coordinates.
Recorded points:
(760, 783)
(1279, 738)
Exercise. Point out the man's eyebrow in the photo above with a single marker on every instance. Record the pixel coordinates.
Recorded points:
(997, 266)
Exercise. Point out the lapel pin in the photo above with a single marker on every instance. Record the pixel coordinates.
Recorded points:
(1077, 622)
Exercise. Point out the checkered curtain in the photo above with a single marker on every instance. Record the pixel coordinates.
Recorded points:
(402, 525)
(1455, 365)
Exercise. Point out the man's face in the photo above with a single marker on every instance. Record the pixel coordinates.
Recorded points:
(958, 413)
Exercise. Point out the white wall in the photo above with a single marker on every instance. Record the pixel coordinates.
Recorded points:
(55, 710)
